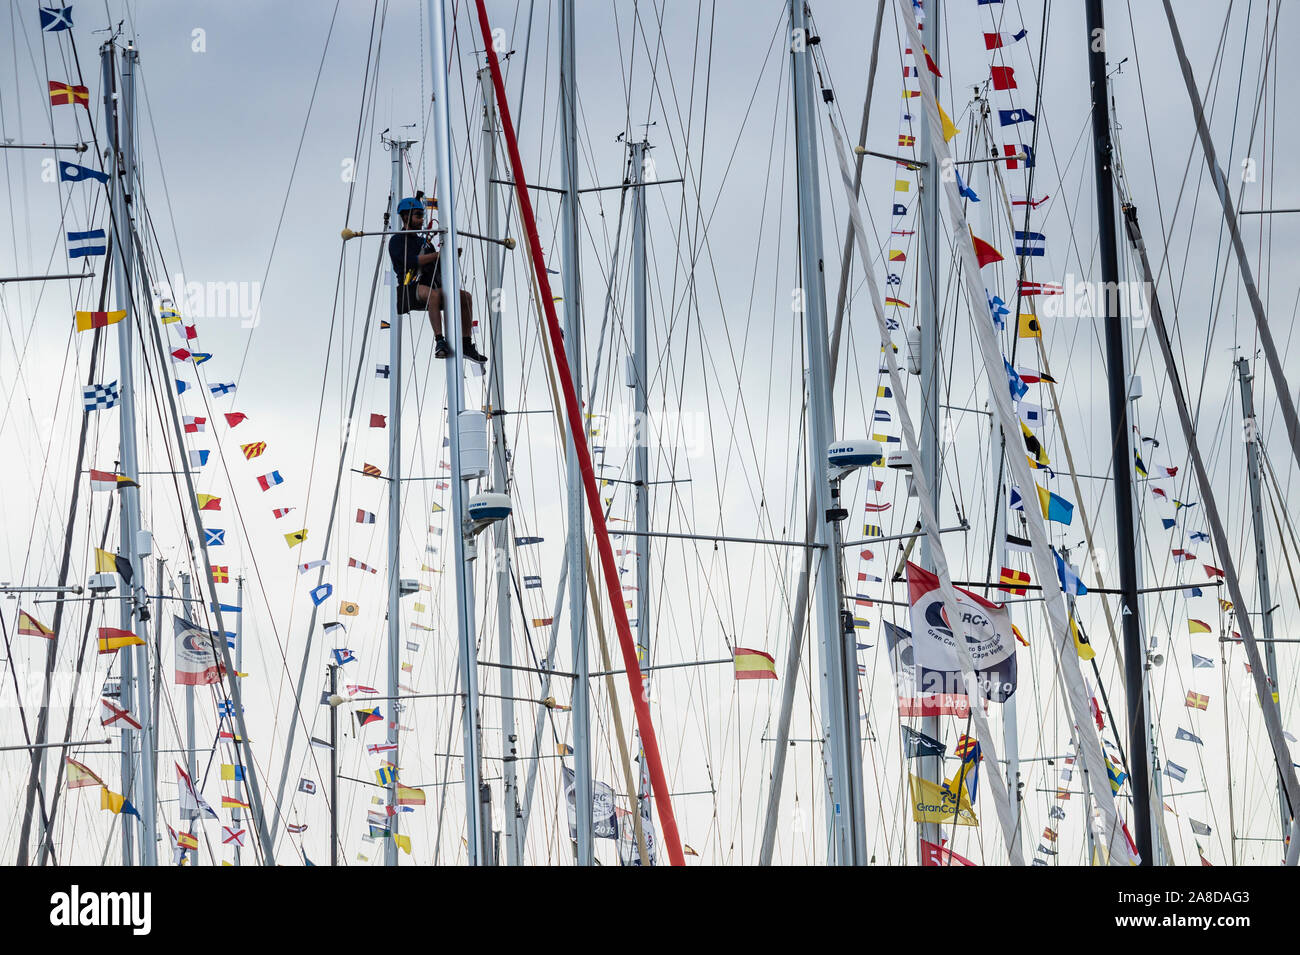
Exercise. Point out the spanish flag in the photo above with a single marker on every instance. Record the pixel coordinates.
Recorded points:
(111, 639)
(80, 776)
(186, 841)
(409, 796)
(88, 320)
(31, 627)
(62, 94)
(753, 665)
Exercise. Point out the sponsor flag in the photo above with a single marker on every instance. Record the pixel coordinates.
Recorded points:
(198, 660)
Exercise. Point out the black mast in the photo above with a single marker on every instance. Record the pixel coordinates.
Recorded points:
(1134, 652)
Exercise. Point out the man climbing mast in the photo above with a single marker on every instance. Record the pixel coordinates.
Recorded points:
(419, 285)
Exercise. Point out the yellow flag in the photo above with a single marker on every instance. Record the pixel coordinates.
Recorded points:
(105, 562)
(932, 803)
(1081, 644)
(949, 127)
(403, 842)
(1029, 327)
(902, 185)
(349, 608)
(88, 320)
(294, 538)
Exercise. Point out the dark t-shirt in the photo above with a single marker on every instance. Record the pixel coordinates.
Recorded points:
(404, 250)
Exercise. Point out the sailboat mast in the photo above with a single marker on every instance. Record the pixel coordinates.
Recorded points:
(137, 763)
(1261, 554)
(450, 265)
(334, 767)
(845, 806)
(191, 745)
(639, 381)
(239, 667)
(398, 150)
(573, 349)
(930, 242)
(500, 481)
(1122, 457)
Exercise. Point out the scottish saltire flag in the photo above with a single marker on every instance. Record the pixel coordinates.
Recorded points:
(215, 537)
(1200, 662)
(99, 397)
(71, 172)
(56, 19)
(91, 242)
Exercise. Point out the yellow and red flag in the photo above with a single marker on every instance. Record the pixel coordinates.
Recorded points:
(753, 665)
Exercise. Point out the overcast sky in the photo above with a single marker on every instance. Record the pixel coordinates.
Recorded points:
(259, 140)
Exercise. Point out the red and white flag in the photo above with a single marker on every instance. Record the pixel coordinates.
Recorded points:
(110, 714)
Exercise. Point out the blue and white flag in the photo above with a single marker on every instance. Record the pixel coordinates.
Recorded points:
(1030, 243)
(91, 242)
(532, 583)
(1190, 737)
(918, 744)
(1200, 536)
(1202, 663)
(1068, 576)
(222, 389)
(343, 655)
(71, 172)
(1009, 117)
(56, 19)
(1175, 772)
(215, 537)
(198, 458)
(321, 594)
(99, 397)
(381, 371)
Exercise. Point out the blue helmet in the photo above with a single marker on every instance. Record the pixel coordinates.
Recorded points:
(409, 204)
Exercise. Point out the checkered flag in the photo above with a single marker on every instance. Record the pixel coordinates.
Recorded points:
(98, 397)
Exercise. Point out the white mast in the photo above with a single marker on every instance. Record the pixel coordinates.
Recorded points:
(577, 578)
(845, 807)
(443, 166)
(138, 766)
(398, 149)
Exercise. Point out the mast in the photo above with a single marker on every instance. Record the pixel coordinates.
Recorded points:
(577, 578)
(1010, 723)
(334, 765)
(119, 109)
(1261, 553)
(1122, 456)
(398, 148)
(639, 381)
(511, 818)
(190, 744)
(844, 808)
(930, 242)
(468, 649)
(239, 666)
(794, 653)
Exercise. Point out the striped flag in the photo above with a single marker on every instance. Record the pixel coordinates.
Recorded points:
(753, 664)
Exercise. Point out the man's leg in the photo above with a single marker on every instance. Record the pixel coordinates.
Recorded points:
(435, 311)
(466, 313)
